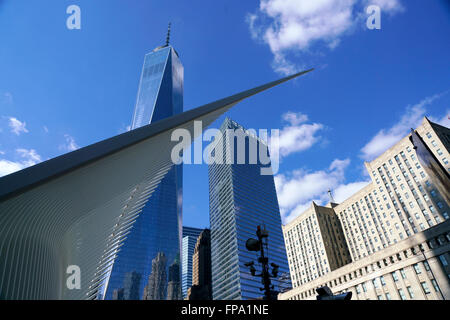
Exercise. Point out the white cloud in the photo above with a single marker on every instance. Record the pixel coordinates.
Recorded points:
(17, 126)
(70, 144)
(297, 189)
(288, 25)
(386, 138)
(45, 129)
(29, 157)
(297, 135)
(294, 118)
(345, 191)
(388, 6)
(8, 167)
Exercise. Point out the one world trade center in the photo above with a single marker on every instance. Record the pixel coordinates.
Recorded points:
(147, 265)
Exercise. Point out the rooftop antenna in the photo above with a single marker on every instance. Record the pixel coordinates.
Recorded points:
(331, 196)
(168, 35)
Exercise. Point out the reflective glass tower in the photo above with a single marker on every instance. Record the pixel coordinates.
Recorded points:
(240, 199)
(150, 255)
(190, 236)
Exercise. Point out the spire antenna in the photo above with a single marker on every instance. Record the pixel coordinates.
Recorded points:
(330, 195)
(168, 35)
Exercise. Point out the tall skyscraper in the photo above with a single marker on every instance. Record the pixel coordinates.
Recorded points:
(190, 236)
(158, 228)
(240, 199)
(201, 288)
(156, 288)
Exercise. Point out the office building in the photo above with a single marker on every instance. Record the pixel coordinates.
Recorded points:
(401, 201)
(240, 199)
(201, 288)
(157, 229)
(315, 244)
(416, 268)
(190, 236)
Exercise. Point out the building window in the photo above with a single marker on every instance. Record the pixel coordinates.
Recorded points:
(425, 287)
(443, 260)
(426, 265)
(402, 272)
(375, 283)
(417, 268)
(380, 297)
(435, 285)
(383, 282)
(364, 287)
(410, 292)
(394, 276)
(428, 135)
(401, 294)
(388, 296)
(439, 152)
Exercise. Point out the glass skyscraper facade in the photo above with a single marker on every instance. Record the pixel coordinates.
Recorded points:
(150, 255)
(190, 236)
(240, 199)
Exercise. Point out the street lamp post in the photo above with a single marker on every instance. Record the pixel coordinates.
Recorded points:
(258, 245)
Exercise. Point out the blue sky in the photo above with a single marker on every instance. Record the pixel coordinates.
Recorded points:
(63, 89)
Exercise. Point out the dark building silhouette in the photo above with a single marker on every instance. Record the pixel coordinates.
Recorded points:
(131, 285)
(118, 294)
(201, 269)
(130, 290)
(174, 286)
(156, 287)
